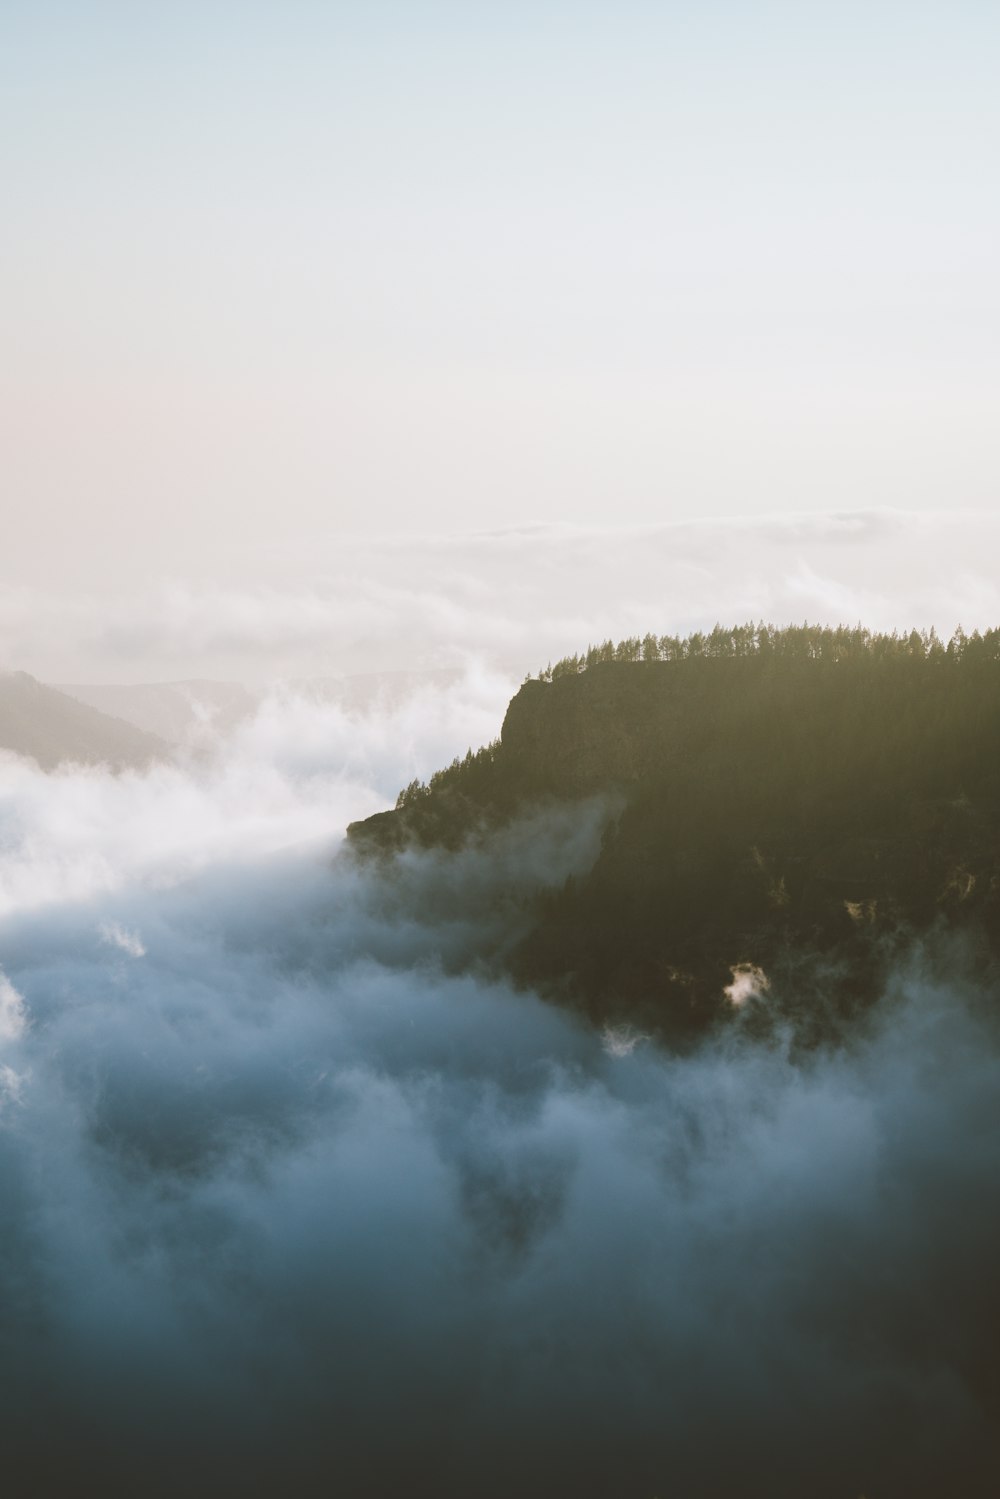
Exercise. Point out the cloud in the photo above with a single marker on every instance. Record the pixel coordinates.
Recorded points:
(749, 982)
(116, 936)
(311, 1195)
(514, 599)
(297, 770)
(11, 1010)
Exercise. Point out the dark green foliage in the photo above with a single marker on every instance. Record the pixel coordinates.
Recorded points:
(794, 642)
(785, 792)
(470, 773)
(412, 794)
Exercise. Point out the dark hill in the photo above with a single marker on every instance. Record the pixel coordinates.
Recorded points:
(782, 804)
(53, 728)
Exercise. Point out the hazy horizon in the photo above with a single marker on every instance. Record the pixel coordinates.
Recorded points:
(508, 598)
(295, 290)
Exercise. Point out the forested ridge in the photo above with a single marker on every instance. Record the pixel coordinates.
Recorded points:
(778, 796)
(792, 642)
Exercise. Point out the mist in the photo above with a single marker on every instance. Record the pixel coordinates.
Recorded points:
(301, 1195)
(320, 604)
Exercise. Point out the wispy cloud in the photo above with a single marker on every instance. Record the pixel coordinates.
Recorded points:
(115, 935)
(514, 598)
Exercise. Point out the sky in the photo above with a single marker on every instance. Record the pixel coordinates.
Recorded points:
(285, 286)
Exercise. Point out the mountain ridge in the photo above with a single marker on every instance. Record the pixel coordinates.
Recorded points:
(52, 728)
(774, 804)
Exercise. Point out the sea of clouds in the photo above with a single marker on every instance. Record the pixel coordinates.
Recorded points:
(335, 604)
(300, 1196)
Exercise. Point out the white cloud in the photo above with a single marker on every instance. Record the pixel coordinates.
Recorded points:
(11, 1086)
(749, 982)
(12, 1013)
(296, 771)
(514, 598)
(115, 935)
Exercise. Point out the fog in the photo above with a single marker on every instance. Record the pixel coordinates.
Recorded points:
(300, 1195)
(325, 604)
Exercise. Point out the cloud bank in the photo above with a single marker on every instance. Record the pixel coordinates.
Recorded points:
(301, 1197)
(512, 598)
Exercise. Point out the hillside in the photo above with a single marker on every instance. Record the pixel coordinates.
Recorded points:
(53, 728)
(809, 796)
(170, 711)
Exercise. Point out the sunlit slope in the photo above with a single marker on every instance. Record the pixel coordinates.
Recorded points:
(764, 806)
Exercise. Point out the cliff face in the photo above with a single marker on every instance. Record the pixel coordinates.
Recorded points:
(770, 808)
(581, 734)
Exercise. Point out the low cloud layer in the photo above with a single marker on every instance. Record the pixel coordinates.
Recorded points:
(298, 769)
(301, 1196)
(514, 598)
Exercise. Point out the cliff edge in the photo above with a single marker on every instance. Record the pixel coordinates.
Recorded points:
(765, 808)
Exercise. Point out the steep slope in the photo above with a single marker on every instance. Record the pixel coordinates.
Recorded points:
(773, 808)
(52, 728)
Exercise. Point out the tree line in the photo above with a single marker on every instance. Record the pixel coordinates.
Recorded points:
(787, 646)
(790, 643)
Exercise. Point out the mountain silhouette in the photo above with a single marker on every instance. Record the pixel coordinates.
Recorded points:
(53, 729)
(787, 797)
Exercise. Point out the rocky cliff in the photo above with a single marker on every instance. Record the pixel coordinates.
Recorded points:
(763, 810)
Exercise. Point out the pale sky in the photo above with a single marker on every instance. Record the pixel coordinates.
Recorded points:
(277, 276)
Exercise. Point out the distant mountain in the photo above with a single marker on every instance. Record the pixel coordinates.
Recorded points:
(53, 728)
(793, 795)
(174, 711)
(189, 711)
